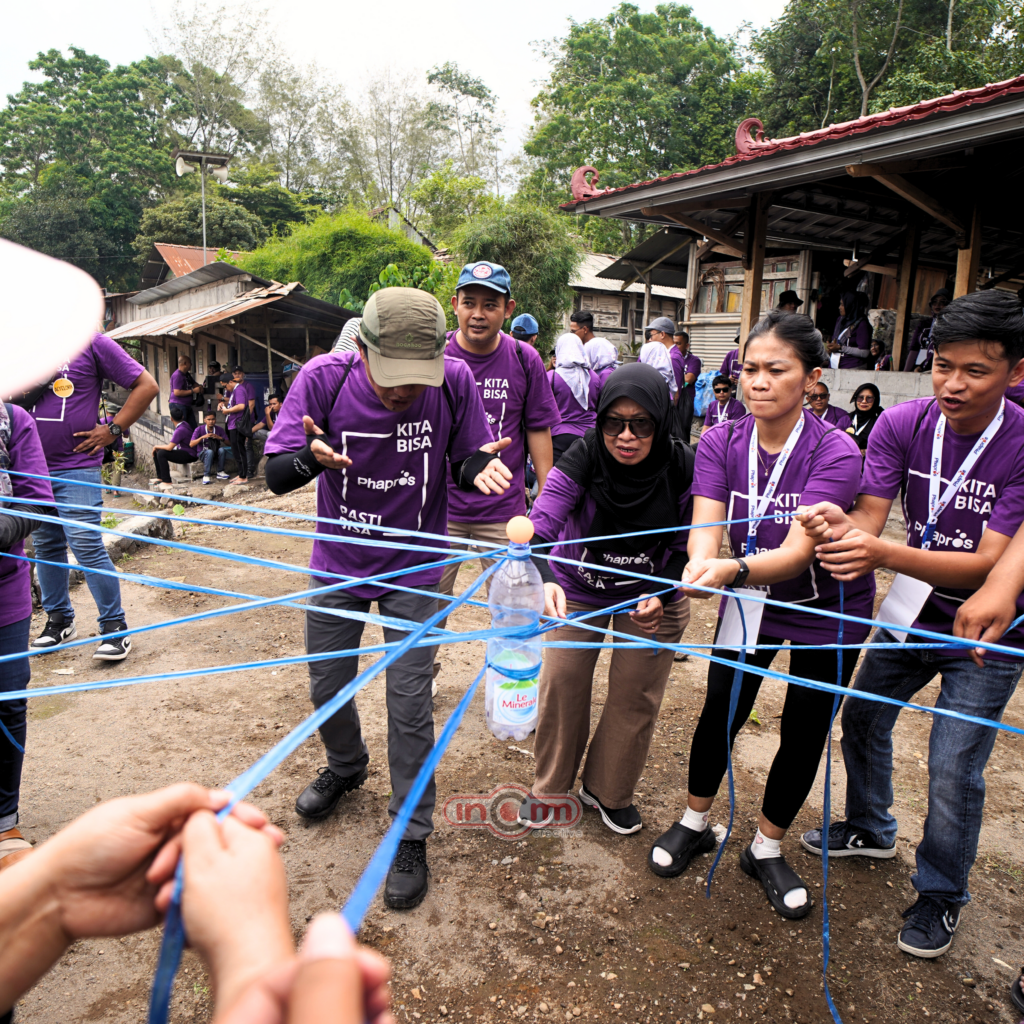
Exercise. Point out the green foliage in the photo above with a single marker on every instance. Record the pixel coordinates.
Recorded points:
(180, 222)
(466, 111)
(334, 252)
(86, 148)
(637, 95)
(538, 248)
(278, 208)
(449, 200)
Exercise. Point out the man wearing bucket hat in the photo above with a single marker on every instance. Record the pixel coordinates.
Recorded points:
(519, 404)
(385, 423)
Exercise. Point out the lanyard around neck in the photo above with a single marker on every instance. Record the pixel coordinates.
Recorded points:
(936, 505)
(722, 410)
(755, 506)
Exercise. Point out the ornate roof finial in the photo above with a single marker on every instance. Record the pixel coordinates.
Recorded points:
(749, 136)
(584, 189)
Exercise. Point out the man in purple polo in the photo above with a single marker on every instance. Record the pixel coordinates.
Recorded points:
(73, 442)
(381, 429)
(184, 390)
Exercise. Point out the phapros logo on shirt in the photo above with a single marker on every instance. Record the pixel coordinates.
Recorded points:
(405, 480)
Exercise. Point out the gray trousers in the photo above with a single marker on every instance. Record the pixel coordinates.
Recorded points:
(410, 709)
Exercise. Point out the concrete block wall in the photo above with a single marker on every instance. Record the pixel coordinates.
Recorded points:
(894, 387)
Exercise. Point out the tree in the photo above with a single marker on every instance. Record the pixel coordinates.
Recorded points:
(335, 252)
(466, 110)
(179, 221)
(449, 200)
(539, 250)
(89, 142)
(256, 188)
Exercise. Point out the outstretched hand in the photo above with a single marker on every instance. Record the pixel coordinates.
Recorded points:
(322, 451)
(985, 615)
(495, 477)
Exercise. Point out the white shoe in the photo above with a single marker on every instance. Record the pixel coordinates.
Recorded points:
(222, 476)
(206, 479)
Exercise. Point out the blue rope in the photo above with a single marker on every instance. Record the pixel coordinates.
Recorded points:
(174, 933)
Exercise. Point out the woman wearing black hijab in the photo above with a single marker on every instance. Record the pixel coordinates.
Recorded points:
(867, 401)
(627, 475)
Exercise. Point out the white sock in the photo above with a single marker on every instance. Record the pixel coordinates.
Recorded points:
(763, 848)
(697, 821)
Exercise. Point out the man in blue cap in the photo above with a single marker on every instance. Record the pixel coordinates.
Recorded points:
(517, 399)
(525, 328)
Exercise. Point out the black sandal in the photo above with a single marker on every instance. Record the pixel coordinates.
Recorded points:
(683, 844)
(1016, 995)
(777, 878)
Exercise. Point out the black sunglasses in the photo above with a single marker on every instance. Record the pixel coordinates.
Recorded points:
(815, 395)
(613, 426)
(722, 391)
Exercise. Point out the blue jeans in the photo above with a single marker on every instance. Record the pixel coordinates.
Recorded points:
(52, 542)
(207, 455)
(957, 753)
(14, 675)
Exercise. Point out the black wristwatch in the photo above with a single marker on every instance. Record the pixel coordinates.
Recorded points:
(741, 577)
(115, 430)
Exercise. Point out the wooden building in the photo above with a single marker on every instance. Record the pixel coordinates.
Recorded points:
(221, 314)
(912, 196)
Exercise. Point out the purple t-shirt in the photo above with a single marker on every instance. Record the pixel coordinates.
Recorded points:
(58, 419)
(733, 410)
(824, 466)
(1016, 393)
(118, 445)
(181, 437)
(201, 431)
(26, 454)
(179, 382)
(515, 400)
(564, 511)
(731, 364)
(899, 450)
(859, 337)
(682, 365)
(242, 395)
(837, 417)
(603, 375)
(575, 419)
(398, 477)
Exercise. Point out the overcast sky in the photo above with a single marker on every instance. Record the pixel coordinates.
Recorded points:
(353, 39)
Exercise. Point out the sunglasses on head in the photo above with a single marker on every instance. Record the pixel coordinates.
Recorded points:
(722, 391)
(613, 426)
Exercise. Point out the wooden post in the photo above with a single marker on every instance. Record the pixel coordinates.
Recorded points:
(631, 321)
(803, 280)
(753, 266)
(306, 360)
(967, 260)
(904, 292)
(692, 280)
(647, 303)
(270, 361)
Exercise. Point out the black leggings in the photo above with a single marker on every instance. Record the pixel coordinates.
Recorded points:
(245, 455)
(161, 458)
(805, 720)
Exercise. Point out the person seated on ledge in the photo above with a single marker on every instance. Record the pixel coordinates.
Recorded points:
(177, 450)
(817, 399)
(210, 442)
(111, 873)
(724, 408)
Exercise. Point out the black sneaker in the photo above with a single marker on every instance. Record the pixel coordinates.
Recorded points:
(625, 820)
(534, 813)
(406, 884)
(321, 796)
(55, 632)
(930, 925)
(682, 844)
(116, 648)
(1017, 992)
(846, 841)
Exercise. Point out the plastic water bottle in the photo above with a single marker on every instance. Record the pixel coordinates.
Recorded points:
(513, 665)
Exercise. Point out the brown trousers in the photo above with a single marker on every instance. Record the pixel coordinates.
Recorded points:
(636, 685)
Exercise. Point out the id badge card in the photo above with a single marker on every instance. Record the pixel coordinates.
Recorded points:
(730, 633)
(903, 603)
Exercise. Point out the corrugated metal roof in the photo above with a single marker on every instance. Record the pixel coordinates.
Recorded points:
(756, 149)
(204, 275)
(593, 263)
(184, 259)
(188, 321)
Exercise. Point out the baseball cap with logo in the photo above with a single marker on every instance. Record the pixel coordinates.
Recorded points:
(403, 330)
(490, 275)
(526, 323)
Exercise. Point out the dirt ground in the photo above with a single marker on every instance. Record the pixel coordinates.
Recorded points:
(567, 924)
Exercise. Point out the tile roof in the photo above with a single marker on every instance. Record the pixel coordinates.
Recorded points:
(751, 148)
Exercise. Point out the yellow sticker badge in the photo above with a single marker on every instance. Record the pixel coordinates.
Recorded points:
(63, 388)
